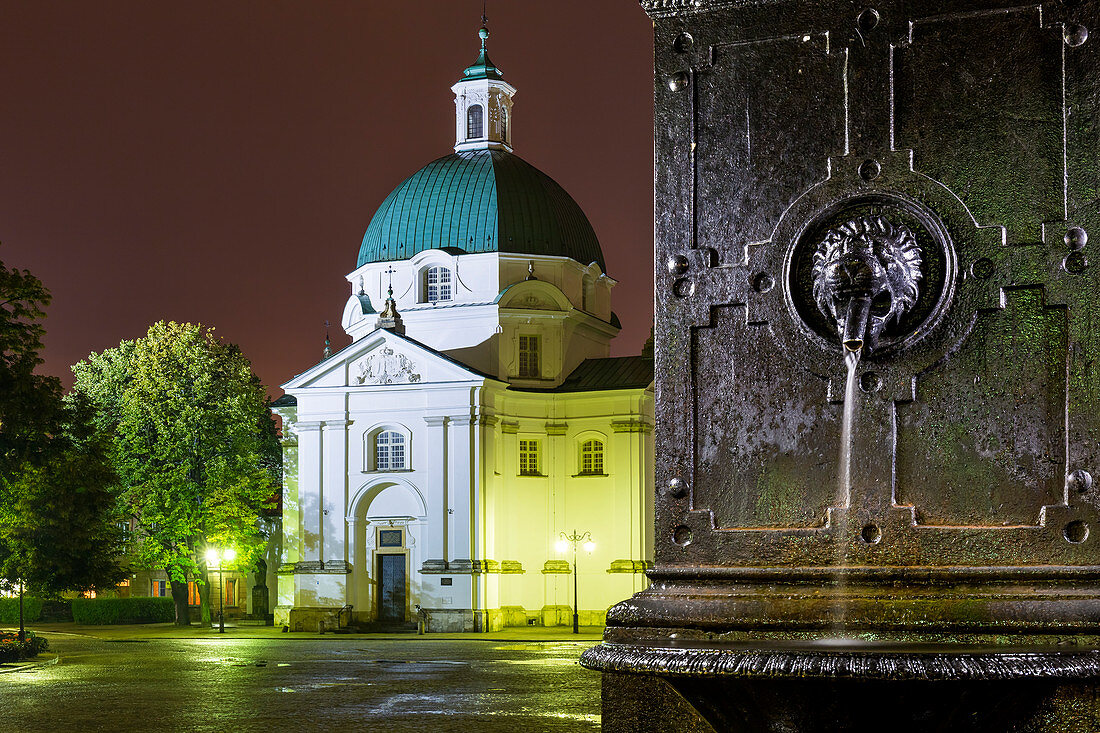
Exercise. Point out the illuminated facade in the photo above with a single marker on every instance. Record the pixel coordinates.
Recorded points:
(436, 461)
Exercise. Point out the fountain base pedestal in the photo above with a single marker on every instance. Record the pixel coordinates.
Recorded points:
(818, 687)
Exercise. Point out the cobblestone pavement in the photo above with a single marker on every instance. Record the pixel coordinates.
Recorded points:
(249, 684)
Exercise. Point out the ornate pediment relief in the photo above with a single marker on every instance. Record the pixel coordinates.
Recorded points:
(386, 366)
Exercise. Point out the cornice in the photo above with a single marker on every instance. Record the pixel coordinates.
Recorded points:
(668, 8)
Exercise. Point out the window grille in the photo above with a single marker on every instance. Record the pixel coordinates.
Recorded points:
(475, 122)
(529, 360)
(528, 458)
(504, 124)
(389, 451)
(592, 457)
(438, 284)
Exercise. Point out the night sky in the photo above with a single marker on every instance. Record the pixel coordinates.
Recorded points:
(219, 161)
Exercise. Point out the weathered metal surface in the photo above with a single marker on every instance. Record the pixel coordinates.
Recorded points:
(920, 182)
(925, 174)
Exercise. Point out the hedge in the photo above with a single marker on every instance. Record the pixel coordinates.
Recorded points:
(123, 610)
(9, 610)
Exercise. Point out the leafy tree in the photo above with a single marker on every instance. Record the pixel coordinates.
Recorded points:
(29, 402)
(194, 446)
(57, 530)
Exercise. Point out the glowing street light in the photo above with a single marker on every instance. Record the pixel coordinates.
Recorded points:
(214, 558)
(563, 546)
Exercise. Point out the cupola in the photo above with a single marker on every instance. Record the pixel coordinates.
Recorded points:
(483, 105)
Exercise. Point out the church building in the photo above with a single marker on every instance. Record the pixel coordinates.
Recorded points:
(454, 456)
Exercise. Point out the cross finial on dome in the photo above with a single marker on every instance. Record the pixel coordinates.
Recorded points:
(484, 32)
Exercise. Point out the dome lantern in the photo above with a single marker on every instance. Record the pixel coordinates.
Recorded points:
(483, 105)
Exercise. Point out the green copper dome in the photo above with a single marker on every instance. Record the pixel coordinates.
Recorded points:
(480, 201)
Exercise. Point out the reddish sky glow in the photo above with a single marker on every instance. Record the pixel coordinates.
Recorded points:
(219, 161)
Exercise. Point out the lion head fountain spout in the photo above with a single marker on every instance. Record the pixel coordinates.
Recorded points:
(866, 274)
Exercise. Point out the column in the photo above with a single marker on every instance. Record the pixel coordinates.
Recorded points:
(334, 494)
(309, 491)
(435, 494)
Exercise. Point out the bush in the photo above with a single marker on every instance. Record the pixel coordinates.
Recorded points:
(123, 610)
(9, 610)
(12, 651)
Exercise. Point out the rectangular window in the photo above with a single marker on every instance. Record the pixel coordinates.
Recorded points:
(529, 359)
(528, 458)
(160, 588)
(231, 591)
(192, 593)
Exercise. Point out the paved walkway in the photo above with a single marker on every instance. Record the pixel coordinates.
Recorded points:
(145, 632)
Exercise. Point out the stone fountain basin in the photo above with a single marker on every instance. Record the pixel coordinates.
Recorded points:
(846, 685)
(845, 658)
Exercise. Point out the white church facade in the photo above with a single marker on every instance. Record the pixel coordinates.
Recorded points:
(437, 462)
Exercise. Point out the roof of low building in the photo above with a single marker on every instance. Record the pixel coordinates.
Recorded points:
(616, 372)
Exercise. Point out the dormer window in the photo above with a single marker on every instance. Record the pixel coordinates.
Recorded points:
(437, 285)
(475, 122)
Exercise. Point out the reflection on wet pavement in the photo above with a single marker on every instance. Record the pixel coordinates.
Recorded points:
(262, 684)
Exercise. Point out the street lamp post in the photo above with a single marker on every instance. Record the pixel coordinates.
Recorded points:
(563, 545)
(214, 557)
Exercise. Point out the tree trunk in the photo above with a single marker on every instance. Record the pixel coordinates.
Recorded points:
(204, 596)
(179, 596)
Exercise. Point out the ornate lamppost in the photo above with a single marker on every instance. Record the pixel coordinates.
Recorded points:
(563, 545)
(213, 557)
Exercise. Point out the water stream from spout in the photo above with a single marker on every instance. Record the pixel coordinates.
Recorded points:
(844, 490)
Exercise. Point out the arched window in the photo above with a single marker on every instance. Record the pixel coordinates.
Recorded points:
(437, 284)
(592, 457)
(475, 122)
(389, 451)
(504, 124)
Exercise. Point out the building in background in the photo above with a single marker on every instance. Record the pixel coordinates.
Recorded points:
(438, 460)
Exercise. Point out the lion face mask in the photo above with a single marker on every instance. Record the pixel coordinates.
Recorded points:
(866, 274)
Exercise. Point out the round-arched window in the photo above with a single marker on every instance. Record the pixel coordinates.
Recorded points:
(437, 285)
(389, 451)
(475, 122)
(592, 457)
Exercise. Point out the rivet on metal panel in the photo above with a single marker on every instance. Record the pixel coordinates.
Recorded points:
(678, 82)
(677, 487)
(1075, 34)
(1075, 263)
(684, 43)
(683, 288)
(677, 264)
(1079, 481)
(870, 382)
(982, 269)
(762, 282)
(867, 20)
(1076, 238)
(871, 534)
(682, 536)
(1076, 532)
(869, 170)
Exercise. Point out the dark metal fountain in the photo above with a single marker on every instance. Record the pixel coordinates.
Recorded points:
(877, 381)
